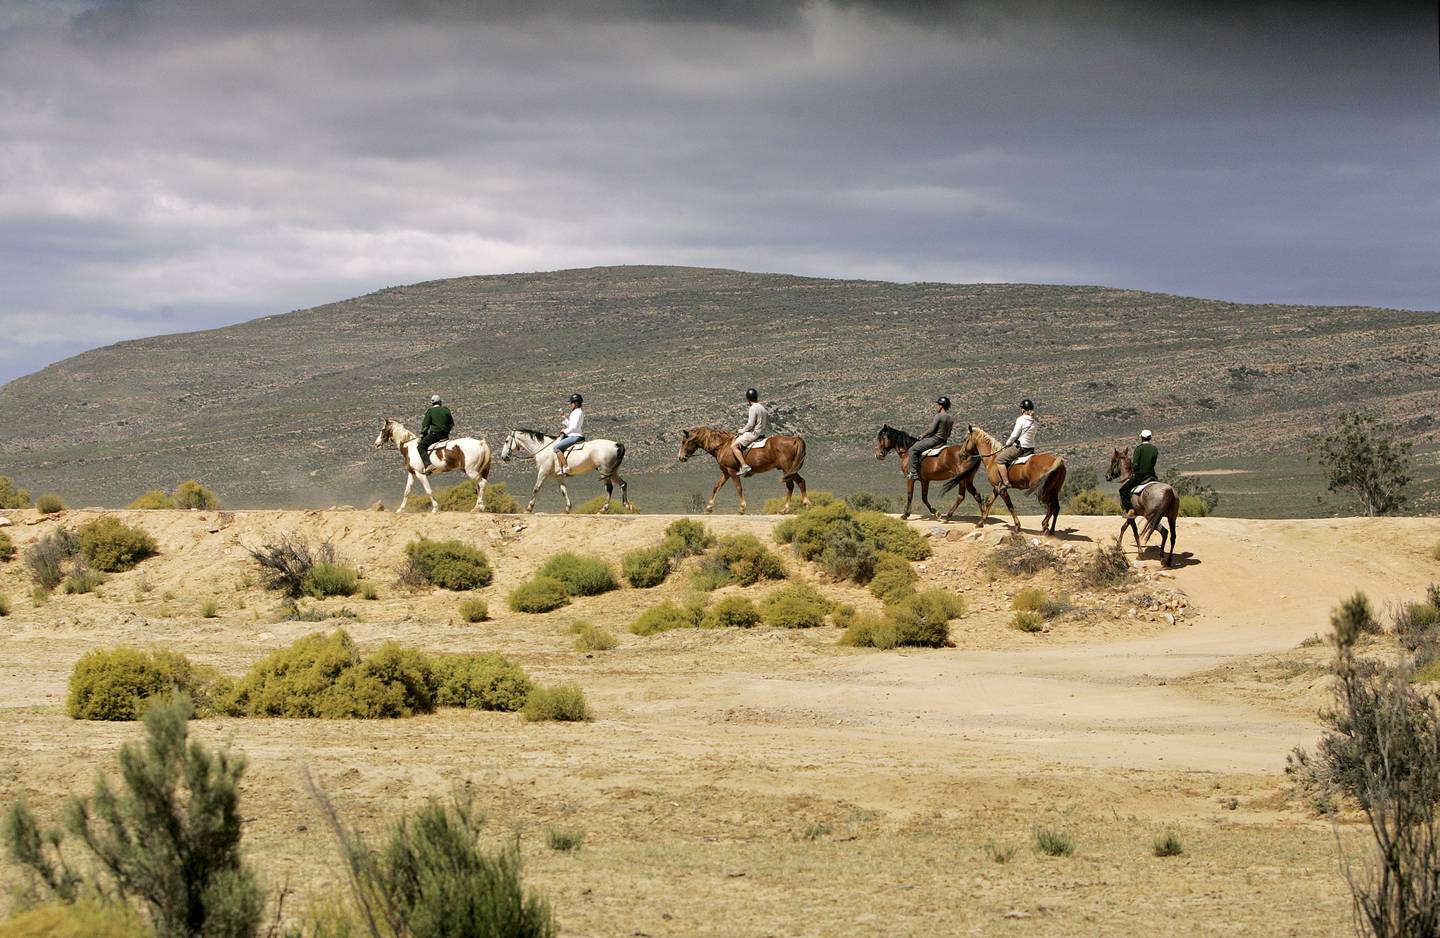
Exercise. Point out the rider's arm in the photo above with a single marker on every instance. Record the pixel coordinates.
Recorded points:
(751, 420)
(1015, 433)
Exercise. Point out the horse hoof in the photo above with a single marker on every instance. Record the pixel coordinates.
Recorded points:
(905, 517)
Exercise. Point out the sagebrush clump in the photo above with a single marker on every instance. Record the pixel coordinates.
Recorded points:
(49, 504)
(539, 594)
(285, 563)
(1193, 506)
(564, 702)
(154, 500)
(10, 496)
(582, 576)
(1028, 621)
(669, 615)
(591, 637)
(735, 612)
(474, 610)
(332, 579)
(47, 557)
(487, 681)
(7, 548)
(112, 547)
(797, 606)
(1018, 555)
(740, 560)
(920, 621)
(1107, 567)
(118, 683)
(449, 564)
(646, 567)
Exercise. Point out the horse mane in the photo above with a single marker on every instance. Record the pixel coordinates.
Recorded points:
(897, 437)
(995, 445)
(536, 433)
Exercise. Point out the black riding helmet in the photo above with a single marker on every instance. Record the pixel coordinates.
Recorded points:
(576, 399)
(1027, 404)
(752, 395)
(943, 401)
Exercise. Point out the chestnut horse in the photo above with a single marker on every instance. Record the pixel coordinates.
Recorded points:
(1042, 474)
(1156, 501)
(785, 453)
(946, 464)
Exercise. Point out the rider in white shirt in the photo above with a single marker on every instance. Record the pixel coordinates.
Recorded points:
(757, 425)
(573, 433)
(1021, 441)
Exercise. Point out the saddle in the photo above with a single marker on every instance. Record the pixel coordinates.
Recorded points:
(578, 447)
(758, 444)
(935, 451)
(438, 444)
(1021, 460)
(1143, 486)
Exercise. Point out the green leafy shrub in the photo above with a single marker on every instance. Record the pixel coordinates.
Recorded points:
(688, 538)
(591, 637)
(449, 564)
(156, 500)
(111, 546)
(49, 504)
(7, 548)
(809, 531)
(565, 702)
(474, 610)
(10, 496)
(869, 501)
(872, 631)
(842, 614)
(48, 556)
(118, 683)
(646, 566)
(321, 675)
(562, 840)
(1029, 599)
(1054, 843)
(797, 606)
(332, 579)
(848, 558)
(82, 580)
(539, 594)
(169, 839)
(1093, 502)
(1167, 844)
(668, 615)
(1028, 621)
(83, 919)
(923, 620)
(192, 494)
(479, 682)
(395, 681)
(1107, 567)
(1193, 506)
(592, 506)
(893, 535)
(894, 578)
(582, 576)
(739, 559)
(285, 563)
(431, 878)
(731, 612)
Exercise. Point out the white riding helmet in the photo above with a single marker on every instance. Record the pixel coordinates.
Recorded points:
(1144, 434)
(434, 398)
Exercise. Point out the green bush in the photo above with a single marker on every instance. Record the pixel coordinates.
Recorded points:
(539, 594)
(450, 564)
(893, 535)
(118, 683)
(10, 496)
(82, 580)
(1193, 506)
(395, 681)
(7, 548)
(668, 615)
(111, 546)
(923, 620)
(167, 836)
(332, 579)
(474, 610)
(894, 578)
(1167, 844)
(688, 538)
(192, 494)
(431, 878)
(1054, 843)
(155, 500)
(872, 631)
(842, 614)
(564, 841)
(84, 919)
(848, 558)
(869, 501)
(592, 506)
(731, 612)
(646, 566)
(1029, 599)
(591, 637)
(49, 504)
(1107, 567)
(797, 606)
(582, 576)
(479, 682)
(1093, 502)
(48, 556)
(739, 559)
(1028, 621)
(809, 531)
(565, 702)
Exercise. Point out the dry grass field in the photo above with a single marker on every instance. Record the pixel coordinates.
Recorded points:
(771, 782)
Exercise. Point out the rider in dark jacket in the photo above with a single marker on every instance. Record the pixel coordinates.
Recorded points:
(937, 434)
(435, 427)
(1142, 470)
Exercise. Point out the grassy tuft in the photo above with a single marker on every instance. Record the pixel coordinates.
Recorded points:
(562, 702)
(1029, 599)
(210, 608)
(331, 579)
(7, 548)
(1167, 844)
(1054, 843)
(369, 591)
(1000, 853)
(562, 840)
(156, 500)
(83, 580)
(591, 637)
(4, 605)
(474, 610)
(49, 504)
(1193, 506)
(1026, 621)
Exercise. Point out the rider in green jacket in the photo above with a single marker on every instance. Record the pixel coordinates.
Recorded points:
(1142, 470)
(435, 427)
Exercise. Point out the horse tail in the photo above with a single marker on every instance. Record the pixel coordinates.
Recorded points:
(799, 456)
(619, 455)
(959, 480)
(1039, 487)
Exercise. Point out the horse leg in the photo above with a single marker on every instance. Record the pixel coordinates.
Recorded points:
(804, 497)
(1174, 536)
(740, 491)
(789, 490)
(479, 481)
(624, 492)
(925, 499)
(405, 496)
(564, 492)
(909, 497)
(1005, 494)
(609, 495)
(434, 505)
(535, 492)
(710, 505)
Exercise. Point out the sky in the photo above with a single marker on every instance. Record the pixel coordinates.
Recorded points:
(169, 165)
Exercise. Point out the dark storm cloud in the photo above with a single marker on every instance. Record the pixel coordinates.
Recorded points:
(174, 165)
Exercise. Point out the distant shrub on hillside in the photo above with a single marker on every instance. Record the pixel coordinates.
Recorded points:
(539, 594)
(118, 683)
(646, 567)
(1192, 506)
(155, 500)
(1191, 486)
(1079, 479)
(738, 559)
(1093, 502)
(474, 610)
(10, 496)
(669, 615)
(1028, 621)
(565, 702)
(893, 535)
(735, 612)
(846, 544)
(686, 538)
(192, 494)
(449, 564)
(591, 637)
(48, 556)
(582, 575)
(82, 579)
(111, 546)
(922, 620)
(49, 504)
(479, 682)
(869, 501)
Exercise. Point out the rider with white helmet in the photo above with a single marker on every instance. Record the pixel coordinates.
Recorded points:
(436, 426)
(1142, 470)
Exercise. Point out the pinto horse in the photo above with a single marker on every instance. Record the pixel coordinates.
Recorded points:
(1157, 501)
(785, 453)
(465, 453)
(603, 456)
(946, 464)
(1042, 474)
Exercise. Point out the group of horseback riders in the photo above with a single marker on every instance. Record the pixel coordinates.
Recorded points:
(438, 423)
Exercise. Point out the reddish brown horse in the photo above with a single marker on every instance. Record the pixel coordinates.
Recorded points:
(1155, 501)
(785, 453)
(1043, 474)
(947, 464)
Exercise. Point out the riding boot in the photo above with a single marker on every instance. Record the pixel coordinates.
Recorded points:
(1004, 477)
(564, 469)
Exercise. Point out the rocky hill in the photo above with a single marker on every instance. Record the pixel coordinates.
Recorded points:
(282, 410)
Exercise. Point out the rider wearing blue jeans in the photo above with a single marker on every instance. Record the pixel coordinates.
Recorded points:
(573, 433)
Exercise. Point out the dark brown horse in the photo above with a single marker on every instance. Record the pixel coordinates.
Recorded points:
(1155, 502)
(1042, 474)
(785, 453)
(947, 464)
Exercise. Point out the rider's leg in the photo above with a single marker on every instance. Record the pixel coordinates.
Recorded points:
(744, 439)
(1126, 488)
(562, 446)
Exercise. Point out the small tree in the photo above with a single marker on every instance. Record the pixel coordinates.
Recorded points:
(1362, 456)
(169, 837)
(10, 496)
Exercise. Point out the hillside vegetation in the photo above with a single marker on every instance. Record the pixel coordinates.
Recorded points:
(282, 410)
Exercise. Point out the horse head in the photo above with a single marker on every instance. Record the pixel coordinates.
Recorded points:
(507, 447)
(884, 441)
(689, 443)
(1117, 466)
(385, 429)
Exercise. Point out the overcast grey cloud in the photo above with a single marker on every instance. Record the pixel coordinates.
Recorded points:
(170, 165)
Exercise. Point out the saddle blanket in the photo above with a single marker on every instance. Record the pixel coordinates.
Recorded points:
(1022, 460)
(434, 446)
(1142, 487)
(935, 451)
(578, 447)
(758, 444)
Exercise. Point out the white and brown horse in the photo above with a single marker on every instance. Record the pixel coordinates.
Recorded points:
(1156, 502)
(470, 455)
(603, 456)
